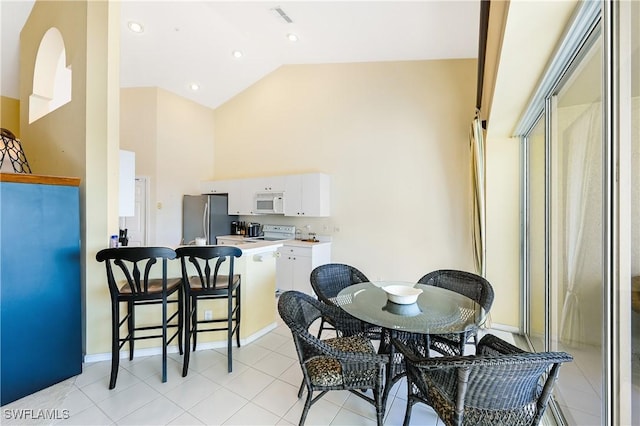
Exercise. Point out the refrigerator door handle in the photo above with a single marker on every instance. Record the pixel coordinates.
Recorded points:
(205, 215)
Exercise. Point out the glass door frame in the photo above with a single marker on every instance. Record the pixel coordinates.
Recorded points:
(613, 19)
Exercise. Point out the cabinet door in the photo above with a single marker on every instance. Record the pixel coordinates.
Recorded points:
(241, 196)
(307, 195)
(269, 184)
(294, 269)
(301, 274)
(216, 186)
(315, 194)
(284, 272)
(293, 195)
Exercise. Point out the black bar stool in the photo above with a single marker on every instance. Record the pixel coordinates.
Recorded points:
(128, 276)
(202, 280)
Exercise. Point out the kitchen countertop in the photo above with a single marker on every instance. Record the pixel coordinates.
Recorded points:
(247, 243)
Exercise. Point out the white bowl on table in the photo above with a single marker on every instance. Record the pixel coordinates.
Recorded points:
(402, 294)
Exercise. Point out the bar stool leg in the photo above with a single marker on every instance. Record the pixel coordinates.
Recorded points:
(131, 325)
(187, 335)
(115, 343)
(229, 332)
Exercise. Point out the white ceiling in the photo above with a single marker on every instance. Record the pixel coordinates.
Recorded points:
(192, 42)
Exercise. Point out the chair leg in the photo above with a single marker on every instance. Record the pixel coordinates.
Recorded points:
(164, 338)
(301, 389)
(180, 321)
(239, 309)
(187, 335)
(131, 325)
(380, 405)
(407, 413)
(229, 332)
(194, 321)
(115, 343)
(307, 405)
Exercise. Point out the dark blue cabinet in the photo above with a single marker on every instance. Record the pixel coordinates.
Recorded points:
(40, 298)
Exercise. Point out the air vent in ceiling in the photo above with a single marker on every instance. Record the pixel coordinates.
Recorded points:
(282, 14)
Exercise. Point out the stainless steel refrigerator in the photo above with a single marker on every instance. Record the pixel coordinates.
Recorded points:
(205, 216)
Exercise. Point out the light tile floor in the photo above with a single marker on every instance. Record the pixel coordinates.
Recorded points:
(262, 390)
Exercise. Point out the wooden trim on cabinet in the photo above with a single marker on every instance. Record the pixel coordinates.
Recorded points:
(39, 179)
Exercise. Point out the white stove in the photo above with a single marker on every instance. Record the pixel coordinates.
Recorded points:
(278, 232)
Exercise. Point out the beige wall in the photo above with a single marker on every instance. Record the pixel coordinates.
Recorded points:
(173, 141)
(393, 137)
(10, 115)
(503, 228)
(80, 138)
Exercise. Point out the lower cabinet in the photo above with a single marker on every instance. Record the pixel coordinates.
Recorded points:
(295, 263)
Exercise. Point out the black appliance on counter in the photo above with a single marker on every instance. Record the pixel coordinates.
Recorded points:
(246, 229)
(205, 216)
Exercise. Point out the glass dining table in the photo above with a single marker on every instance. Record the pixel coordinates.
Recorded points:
(436, 311)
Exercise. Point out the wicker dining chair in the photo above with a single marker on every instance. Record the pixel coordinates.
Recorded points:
(501, 385)
(468, 284)
(328, 280)
(348, 362)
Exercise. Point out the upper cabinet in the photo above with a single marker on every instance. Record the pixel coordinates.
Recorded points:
(217, 186)
(307, 195)
(269, 184)
(241, 195)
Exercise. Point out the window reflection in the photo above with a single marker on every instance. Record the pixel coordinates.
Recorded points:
(576, 210)
(536, 235)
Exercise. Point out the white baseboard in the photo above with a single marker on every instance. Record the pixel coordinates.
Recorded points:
(174, 348)
(507, 328)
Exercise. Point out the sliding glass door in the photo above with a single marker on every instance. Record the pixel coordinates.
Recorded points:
(581, 215)
(576, 240)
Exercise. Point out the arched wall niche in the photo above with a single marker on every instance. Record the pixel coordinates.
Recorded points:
(51, 77)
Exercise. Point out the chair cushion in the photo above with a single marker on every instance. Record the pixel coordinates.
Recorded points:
(222, 283)
(326, 371)
(155, 285)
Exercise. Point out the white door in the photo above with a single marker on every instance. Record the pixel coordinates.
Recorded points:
(137, 225)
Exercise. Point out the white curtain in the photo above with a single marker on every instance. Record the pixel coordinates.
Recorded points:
(582, 139)
(476, 142)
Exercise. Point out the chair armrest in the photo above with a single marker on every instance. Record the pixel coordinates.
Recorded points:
(343, 322)
(493, 345)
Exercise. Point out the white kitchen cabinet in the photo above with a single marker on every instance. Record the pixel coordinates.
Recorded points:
(295, 263)
(307, 195)
(241, 196)
(269, 184)
(240, 200)
(216, 186)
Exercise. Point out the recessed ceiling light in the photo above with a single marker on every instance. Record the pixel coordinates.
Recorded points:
(292, 37)
(136, 27)
(237, 54)
(194, 86)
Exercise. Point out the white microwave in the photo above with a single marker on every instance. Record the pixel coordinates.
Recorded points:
(269, 203)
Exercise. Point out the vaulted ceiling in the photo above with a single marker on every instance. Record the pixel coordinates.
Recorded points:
(193, 42)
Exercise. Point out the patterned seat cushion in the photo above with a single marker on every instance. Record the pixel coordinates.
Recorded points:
(326, 371)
